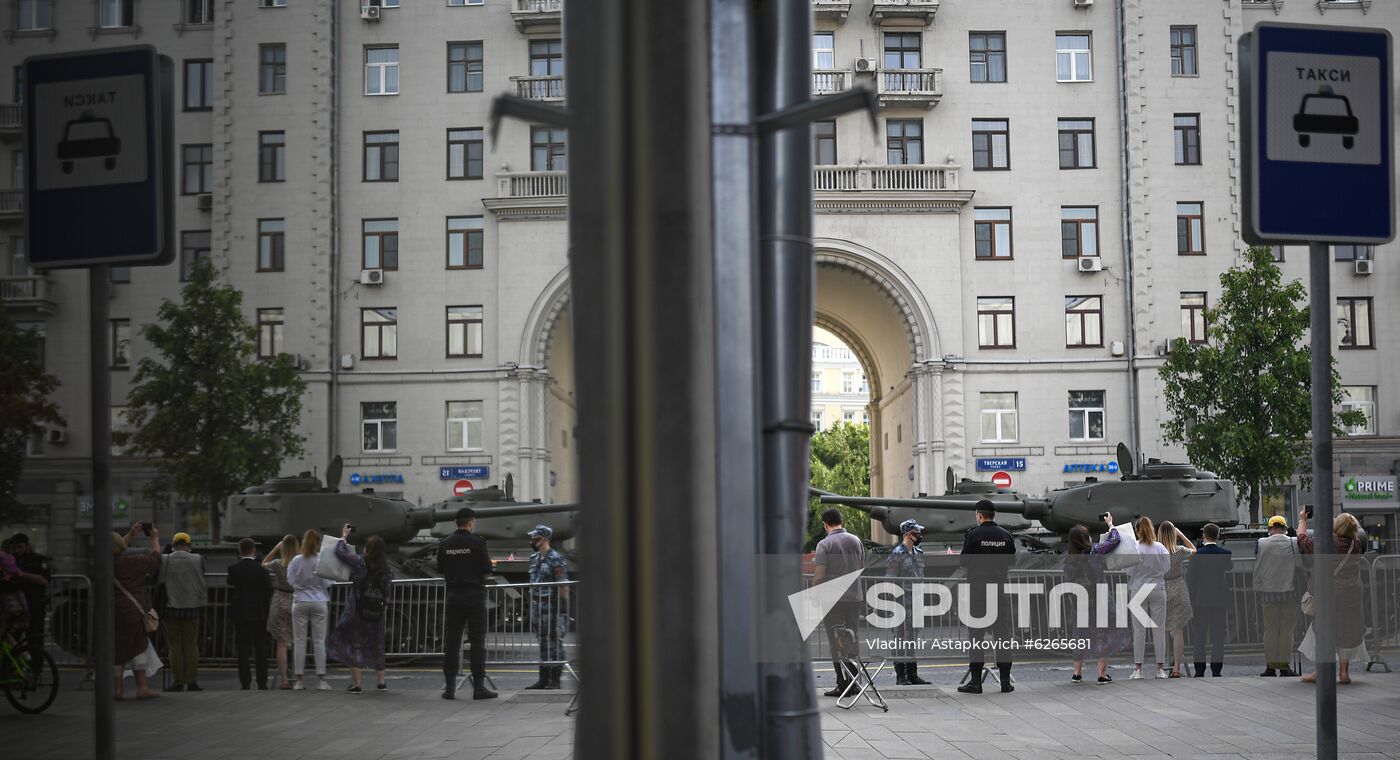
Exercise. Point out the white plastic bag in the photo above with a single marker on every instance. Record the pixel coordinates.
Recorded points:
(1127, 554)
(328, 565)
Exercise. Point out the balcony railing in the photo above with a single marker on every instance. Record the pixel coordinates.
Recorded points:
(30, 292)
(11, 118)
(11, 202)
(896, 178)
(835, 10)
(905, 86)
(533, 184)
(528, 13)
(922, 10)
(830, 81)
(548, 89)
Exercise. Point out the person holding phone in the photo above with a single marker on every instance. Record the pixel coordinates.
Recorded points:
(358, 639)
(1084, 566)
(129, 636)
(1348, 593)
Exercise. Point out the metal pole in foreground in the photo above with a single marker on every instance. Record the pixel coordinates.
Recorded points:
(100, 637)
(1324, 603)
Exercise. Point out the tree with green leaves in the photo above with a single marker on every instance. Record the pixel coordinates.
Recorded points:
(212, 416)
(1241, 402)
(840, 464)
(25, 408)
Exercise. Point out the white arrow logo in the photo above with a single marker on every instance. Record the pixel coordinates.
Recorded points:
(810, 606)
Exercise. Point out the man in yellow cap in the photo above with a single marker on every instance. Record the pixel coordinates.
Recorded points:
(182, 572)
(1274, 563)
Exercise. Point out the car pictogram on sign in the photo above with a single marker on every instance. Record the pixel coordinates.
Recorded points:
(1326, 113)
(89, 136)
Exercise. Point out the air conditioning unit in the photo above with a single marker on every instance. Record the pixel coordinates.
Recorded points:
(1116, 348)
(1090, 264)
(57, 436)
(267, 3)
(205, 201)
(299, 361)
(1364, 266)
(865, 65)
(371, 276)
(370, 12)
(347, 361)
(1164, 348)
(1083, 3)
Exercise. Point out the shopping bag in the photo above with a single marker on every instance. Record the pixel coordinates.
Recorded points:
(328, 565)
(1126, 554)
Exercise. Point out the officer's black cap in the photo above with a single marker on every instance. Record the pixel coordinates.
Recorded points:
(17, 539)
(986, 508)
(465, 514)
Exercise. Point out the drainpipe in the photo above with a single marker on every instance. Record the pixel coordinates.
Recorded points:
(1125, 201)
(333, 389)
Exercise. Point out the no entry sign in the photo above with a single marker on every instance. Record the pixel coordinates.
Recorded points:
(461, 487)
(1001, 479)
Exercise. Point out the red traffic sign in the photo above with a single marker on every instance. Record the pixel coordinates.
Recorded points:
(1001, 479)
(461, 487)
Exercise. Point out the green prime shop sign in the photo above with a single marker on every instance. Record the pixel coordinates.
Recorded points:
(1368, 490)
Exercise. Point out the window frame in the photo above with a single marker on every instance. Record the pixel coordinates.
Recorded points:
(125, 10)
(1084, 316)
(467, 144)
(1179, 49)
(1073, 54)
(466, 425)
(1079, 232)
(204, 19)
(190, 254)
(556, 153)
(1366, 407)
(119, 343)
(1195, 314)
(1194, 229)
(34, 25)
(388, 323)
(1014, 414)
(1075, 134)
(902, 50)
(467, 233)
(1087, 427)
(990, 135)
(992, 236)
(985, 308)
(366, 234)
(1346, 308)
(1355, 253)
(382, 150)
(276, 247)
(472, 65)
(465, 323)
(205, 82)
(550, 59)
(829, 50)
(904, 141)
(1185, 139)
(820, 139)
(381, 75)
(271, 72)
(272, 156)
(206, 173)
(271, 332)
(988, 53)
(392, 407)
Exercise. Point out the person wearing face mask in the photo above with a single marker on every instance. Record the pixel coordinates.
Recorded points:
(907, 561)
(547, 611)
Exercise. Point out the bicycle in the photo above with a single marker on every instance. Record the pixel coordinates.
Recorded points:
(28, 678)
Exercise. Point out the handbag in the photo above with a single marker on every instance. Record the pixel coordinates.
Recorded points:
(1308, 604)
(150, 618)
(328, 565)
(1126, 554)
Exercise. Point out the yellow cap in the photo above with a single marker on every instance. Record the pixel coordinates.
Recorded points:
(180, 538)
(1277, 521)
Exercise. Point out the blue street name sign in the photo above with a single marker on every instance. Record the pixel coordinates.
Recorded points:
(477, 472)
(1318, 134)
(98, 159)
(1001, 463)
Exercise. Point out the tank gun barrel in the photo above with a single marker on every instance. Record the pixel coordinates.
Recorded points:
(879, 506)
(426, 518)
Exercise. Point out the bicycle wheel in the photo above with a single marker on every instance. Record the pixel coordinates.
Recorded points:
(35, 686)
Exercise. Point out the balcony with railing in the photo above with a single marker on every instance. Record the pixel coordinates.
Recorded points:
(887, 188)
(11, 119)
(548, 89)
(11, 204)
(910, 87)
(920, 10)
(831, 81)
(27, 293)
(533, 13)
(523, 196)
(831, 10)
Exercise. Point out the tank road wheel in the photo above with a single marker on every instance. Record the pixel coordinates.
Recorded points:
(1303, 140)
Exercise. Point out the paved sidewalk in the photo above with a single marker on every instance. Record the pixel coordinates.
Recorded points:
(1239, 718)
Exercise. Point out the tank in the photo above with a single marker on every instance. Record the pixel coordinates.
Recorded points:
(1181, 493)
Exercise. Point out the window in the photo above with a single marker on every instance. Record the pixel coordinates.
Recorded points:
(381, 157)
(1079, 231)
(903, 50)
(864, 383)
(271, 245)
(272, 3)
(31, 15)
(380, 422)
(824, 143)
(991, 144)
(904, 141)
(199, 11)
(465, 152)
(199, 169)
(823, 51)
(1186, 128)
(1184, 51)
(17, 170)
(546, 58)
(464, 242)
(464, 331)
(272, 156)
(1083, 321)
(120, 424)
(115, 14)
(379, 333)
(1360, 398)
(270, 322)
(199, 85)
(464, 425)
(1354, 323)
(1353, 252)
(848, 382)
(381, 244)
(1073, 57)
(382, 71)
(462, 3)
(987, 56)
(272, 69)
(816, 420)
(999, 417)
(19, 258)
(1277, 251)
(548, 149)
(1086, 415)
(120, 344)
(1193, 317)
(848, 416)
(194, 248)
(1190, 237)
(1077, 144)
(992, 231)
(996, 322)
(816, 381)
(386, 3)
(466, 67)
(18, 95)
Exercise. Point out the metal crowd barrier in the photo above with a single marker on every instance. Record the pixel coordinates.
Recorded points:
(1384, 625)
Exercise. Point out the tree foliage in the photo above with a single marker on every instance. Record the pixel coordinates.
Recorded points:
(212, 416)
(25, 408)
(1241, 403)
(840, 464)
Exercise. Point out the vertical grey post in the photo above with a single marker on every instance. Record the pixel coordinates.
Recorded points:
(1325, 619)
(99, 378)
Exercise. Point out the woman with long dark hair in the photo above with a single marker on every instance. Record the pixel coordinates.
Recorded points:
(1084, 566)
(358, 639)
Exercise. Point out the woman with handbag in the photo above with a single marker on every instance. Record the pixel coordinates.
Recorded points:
(310, 602)
(358, 639)
(279, 614)
(1084, 566)
(1348, 594)
(133, 618)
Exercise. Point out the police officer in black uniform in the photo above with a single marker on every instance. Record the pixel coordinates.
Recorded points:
(464, 564)
(36, 596)
(987, 554)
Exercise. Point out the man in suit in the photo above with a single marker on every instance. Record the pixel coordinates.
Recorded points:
(1210, 597)
(252, 595)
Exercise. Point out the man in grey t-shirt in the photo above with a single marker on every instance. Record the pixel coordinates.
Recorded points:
(840, 553)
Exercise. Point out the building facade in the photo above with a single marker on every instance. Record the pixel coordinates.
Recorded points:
(1049, 196)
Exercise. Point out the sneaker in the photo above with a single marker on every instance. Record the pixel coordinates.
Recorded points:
(1161, 673)
(1105, 679)
(1076, 679)
(1136, 676)
(1269, 673)
(299, 685)
(381, 688)
(323, 686)
(354, 690)
(1287, 673)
